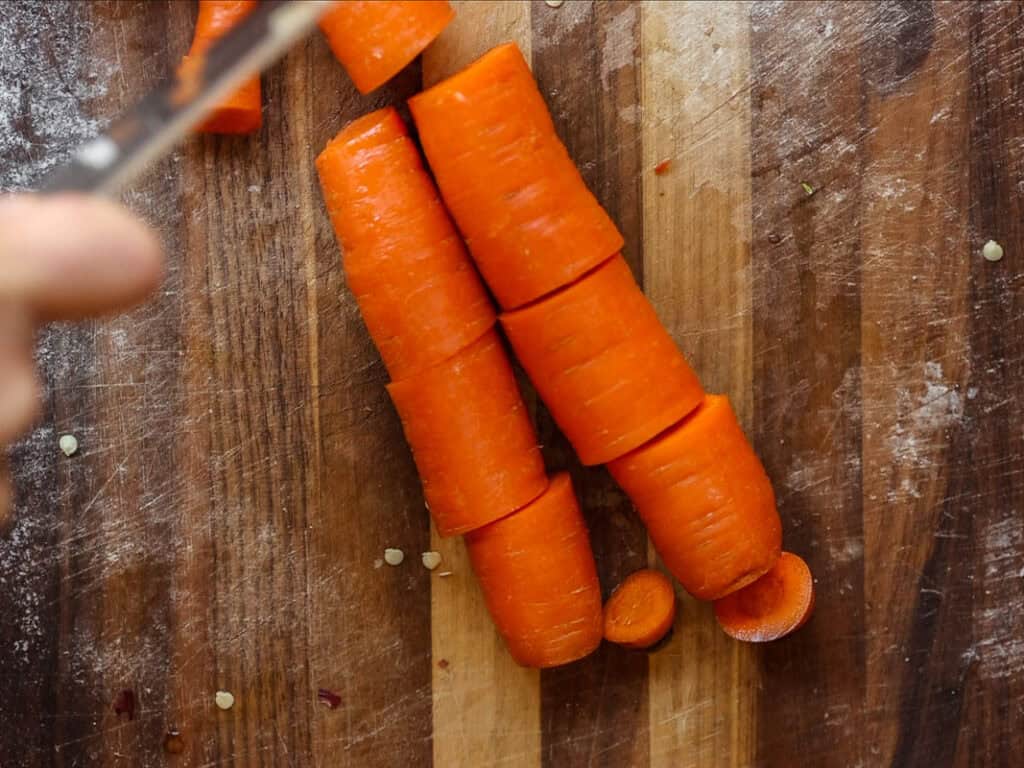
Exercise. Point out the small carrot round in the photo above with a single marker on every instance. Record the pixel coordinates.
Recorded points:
(529, 220)
(472, 439)
(707, 503)
(641, 610)
(405, 263)
(603, 363)
(538, 577)
(374, 40)
(778, 603)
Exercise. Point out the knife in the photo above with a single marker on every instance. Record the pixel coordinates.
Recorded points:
(154, 126)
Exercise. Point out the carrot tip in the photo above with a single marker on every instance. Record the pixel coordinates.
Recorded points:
(641, 611)
(777, 604)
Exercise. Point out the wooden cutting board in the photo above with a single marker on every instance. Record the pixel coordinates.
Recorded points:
(814, 247)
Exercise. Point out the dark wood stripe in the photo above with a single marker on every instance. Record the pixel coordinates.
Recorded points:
(595, 711)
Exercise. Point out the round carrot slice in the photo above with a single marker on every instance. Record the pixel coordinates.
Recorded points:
(641, 610)
(778, 603)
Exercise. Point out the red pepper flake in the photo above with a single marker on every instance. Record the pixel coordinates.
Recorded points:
(173, 743)
(662, 167)
(124, 704)
(329, 699)
(443, 664)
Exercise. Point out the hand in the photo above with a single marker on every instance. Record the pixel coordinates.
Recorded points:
(61, 258)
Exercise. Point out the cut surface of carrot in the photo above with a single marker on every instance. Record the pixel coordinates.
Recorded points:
(529, 220)
(472, 439)
(641, 611)
(603, 363)
(707, 503)
(778, 603)
(404, 262)
(375, 40)
(538, 577)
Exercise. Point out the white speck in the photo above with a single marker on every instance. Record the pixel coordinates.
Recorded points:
(460, 97)
(378, 563)
(68, 444)
(101, 152)
(224, 700)
(255, 189)
(393, 556)
(431, 560)
(553, 3)
(443, 574)
(992, 251)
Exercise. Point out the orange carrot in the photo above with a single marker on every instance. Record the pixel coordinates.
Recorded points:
(529, 220)
(778, 603)
(241, 112)
(605, 366)
(473, 441)
(641, 611)
(706, 501)
(537, 573)
(404, 262)
(374, 40)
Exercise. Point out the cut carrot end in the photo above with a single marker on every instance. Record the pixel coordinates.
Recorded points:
(641, 611)
(778, 603)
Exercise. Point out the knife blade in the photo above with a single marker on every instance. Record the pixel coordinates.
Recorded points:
(151, 128)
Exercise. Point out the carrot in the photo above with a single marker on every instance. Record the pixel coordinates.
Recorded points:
(406, 265)
(641, 611)
(778, 603)
(538, 577)
(471, 437)
(529, 220)
(374, 40)
(706, 501)
(242, 111)
(605, 366)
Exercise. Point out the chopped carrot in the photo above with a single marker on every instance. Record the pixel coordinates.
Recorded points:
(530, 222)
(241, 112)
(416, 287)
(641, 611)
(778, 603)
(538, 577)
(662, 167)
(706, 501)
(604, 364)
(471, 437)
(374, 40)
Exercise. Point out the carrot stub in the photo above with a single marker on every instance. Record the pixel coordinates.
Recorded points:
(604, 364)
(641, 611)
(415, 285)
(241, 112)
(538, 577)
(778, 603)
(472, 439)
(529, 220)
(375, 40)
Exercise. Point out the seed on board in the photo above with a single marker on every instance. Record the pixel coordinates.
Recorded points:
(553, 3)
(992, 251)
(68, 444)
(431, 560)
(224, 700)
(393, 556)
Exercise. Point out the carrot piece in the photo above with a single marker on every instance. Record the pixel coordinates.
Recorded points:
(374, 40)
(415, 285)
(473, 441)
(538, 577)
(641, 611)
(605, 366)
(778, 603)
(530, 222)
(241, 112)
(706, 501)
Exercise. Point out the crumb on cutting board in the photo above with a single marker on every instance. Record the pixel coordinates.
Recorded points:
(68, 444)
(992, 251)
(393, 556)
(431, 560)
(224, 700)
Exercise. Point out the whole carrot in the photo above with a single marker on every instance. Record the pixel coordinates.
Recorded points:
(538, 577)
(529, 220)
(374, 40)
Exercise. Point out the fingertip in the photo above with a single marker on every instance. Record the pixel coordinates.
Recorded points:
(20, 400)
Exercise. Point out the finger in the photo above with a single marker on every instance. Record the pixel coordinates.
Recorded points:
(73, 256)
(20, 401)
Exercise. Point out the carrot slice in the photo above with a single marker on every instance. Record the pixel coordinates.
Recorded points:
(375, 40)
(415, 285)
(605, 366)
(537, 572)
(641, 611)
(529, 220)
(778, 603)
(473, 441)
(706, 501)
(241, 112)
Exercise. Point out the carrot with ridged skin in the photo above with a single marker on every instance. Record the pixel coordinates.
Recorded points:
(242, 111)
(472, 439)
(529, 220)
(375, 40)
(707, 503)
(405, 263)
(777, 604)
(538, 577)
(641, 610)
(603, 363)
